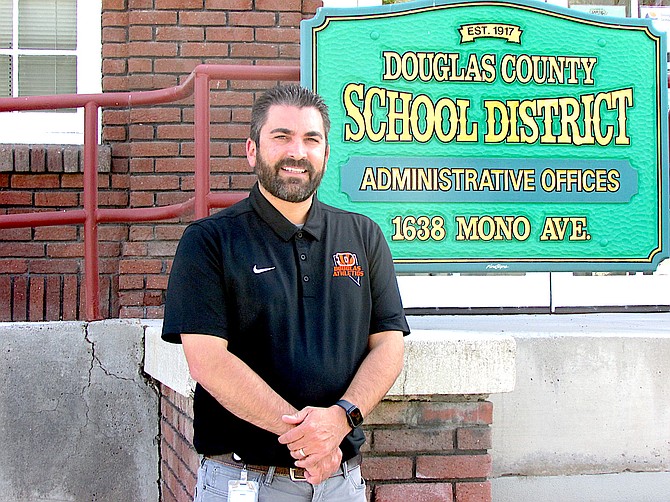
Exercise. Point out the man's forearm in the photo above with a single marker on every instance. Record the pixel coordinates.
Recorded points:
(378, 372)
(319, 430)
(234, 384)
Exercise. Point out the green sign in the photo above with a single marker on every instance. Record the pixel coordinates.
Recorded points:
(496, 135)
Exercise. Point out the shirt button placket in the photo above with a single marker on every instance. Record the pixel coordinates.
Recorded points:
(303, 264)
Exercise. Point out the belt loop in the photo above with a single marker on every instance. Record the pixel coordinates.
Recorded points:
(269, 476)
(345, 470)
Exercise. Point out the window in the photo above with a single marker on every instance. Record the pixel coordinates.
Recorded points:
(616, 8)
(48, 47)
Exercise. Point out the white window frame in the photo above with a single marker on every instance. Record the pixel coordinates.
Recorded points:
(351, 3)
(537, 291)
(62, 128)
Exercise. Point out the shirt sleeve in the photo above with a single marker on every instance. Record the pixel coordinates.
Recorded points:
(195, 299)
(387, 310)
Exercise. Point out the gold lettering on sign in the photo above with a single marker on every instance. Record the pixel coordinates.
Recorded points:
(509, 32)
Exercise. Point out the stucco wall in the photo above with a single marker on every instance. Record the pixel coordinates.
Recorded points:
(589, 417)
(78, 420)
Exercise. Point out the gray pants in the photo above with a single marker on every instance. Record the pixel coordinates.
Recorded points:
(213, 480)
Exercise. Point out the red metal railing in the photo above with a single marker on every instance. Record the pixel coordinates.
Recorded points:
(197, 84)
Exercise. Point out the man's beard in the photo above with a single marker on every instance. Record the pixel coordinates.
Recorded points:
(290, 189)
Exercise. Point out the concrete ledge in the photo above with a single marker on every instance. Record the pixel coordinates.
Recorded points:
(436, 362)
(443, 362)
(624, 487)
(166, 361)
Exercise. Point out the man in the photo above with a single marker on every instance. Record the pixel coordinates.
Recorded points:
(290, 318)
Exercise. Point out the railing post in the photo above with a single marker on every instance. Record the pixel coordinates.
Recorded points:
(91, 253)
(202, 138)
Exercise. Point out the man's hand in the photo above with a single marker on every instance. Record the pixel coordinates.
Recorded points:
(317, 432)
(318, 472)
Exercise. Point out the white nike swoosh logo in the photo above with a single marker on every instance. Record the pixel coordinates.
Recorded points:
(261, 270)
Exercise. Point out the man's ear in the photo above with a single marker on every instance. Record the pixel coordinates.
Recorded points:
(251, 149)
(325, 158)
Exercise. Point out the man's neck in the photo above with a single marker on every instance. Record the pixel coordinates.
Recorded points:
(295, 212)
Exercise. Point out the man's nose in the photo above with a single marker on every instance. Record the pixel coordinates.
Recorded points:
(297, 150)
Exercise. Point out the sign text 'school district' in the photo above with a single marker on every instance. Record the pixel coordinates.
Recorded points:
(588, 119)
(496, 135)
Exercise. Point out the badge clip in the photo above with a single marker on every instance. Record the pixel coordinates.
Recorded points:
(242, 490)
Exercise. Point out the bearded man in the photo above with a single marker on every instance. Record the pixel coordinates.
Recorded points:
(290, 319)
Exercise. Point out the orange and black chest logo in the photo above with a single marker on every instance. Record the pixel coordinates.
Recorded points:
(346, 265)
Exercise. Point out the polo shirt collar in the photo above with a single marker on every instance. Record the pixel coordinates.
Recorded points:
(283, 227)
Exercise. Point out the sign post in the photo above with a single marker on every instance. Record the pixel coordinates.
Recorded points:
(496, 135)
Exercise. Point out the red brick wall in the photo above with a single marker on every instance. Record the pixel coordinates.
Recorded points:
(150, 44)
(41, 269)
(427, 451)
(179, 461)
(147, 44)
(432, 450)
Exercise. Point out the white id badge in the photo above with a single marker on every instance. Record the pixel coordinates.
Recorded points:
(242, 490)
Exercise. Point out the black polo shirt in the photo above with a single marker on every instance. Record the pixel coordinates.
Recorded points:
(297, 305)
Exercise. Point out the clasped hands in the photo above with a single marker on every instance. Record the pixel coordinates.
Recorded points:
(315, 439)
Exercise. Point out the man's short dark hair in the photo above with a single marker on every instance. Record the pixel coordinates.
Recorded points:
(288, 95)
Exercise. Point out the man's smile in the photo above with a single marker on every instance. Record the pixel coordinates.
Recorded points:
(294, 170)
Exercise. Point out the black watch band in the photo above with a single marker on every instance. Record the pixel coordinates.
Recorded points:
(354, 415)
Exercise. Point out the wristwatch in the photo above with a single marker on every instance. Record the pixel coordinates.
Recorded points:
(354, 415)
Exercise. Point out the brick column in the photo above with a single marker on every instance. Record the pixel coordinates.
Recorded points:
(429, 450)
(179, 461)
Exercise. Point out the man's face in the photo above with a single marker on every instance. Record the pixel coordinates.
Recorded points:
(291, 156)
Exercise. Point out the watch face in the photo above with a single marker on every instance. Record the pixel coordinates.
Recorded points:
(355, 417)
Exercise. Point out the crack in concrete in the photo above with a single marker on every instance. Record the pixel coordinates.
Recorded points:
(95, 359)
(88, 382)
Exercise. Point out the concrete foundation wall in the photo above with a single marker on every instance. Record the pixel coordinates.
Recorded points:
(623, 487)
(589, 419)
(78, 421)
